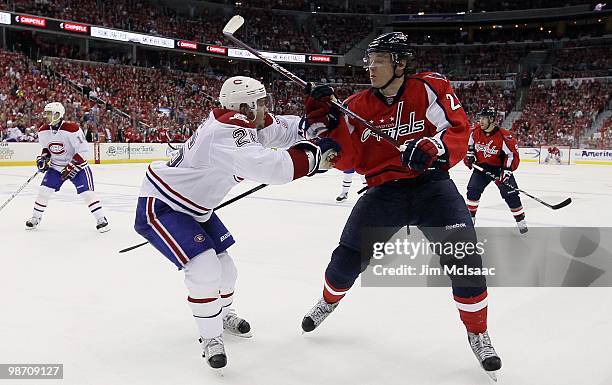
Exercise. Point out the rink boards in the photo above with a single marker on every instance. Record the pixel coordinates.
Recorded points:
(23, 154)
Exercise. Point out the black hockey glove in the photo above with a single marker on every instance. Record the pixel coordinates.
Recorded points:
(43, 162)
(470, 157)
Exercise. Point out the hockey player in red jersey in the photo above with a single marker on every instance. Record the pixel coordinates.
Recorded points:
(495, 150)
(411, 187)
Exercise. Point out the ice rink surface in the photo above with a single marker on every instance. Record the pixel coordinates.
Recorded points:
(67, 296)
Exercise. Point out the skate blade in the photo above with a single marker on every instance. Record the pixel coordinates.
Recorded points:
(492, 375)
(104, 229)
(30, 228)
(241, 335)
(217, 371)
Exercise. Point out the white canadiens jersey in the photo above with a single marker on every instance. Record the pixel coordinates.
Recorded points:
(225, 149)
(63, 144)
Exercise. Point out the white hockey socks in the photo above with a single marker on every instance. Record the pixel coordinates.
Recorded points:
(40, 205)
(229, 273)
(202, 278)
(93, 203)
(347, 180)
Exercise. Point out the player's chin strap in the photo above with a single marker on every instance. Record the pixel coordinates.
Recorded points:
(387, 84)
(55, 126)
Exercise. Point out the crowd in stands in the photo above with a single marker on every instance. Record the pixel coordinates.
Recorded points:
(560, 113)
(168, 102)
(340, 40)
(583, 62)
(263, 29)
(475, 96)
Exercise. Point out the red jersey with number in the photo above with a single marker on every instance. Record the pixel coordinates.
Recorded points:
(425, 106)
(497, 148)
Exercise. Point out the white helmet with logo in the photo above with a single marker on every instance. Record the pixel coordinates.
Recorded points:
(239, 90)
(55, 108)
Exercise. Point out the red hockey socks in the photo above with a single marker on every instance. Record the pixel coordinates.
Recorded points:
(473, 312)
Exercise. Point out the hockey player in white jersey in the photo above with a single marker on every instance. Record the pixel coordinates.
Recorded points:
(64, 157)
(240, 140)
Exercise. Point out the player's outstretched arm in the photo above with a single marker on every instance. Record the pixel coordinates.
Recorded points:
(239, 152)
(280, 131)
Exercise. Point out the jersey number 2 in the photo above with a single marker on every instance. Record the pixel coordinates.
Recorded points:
(454, 102)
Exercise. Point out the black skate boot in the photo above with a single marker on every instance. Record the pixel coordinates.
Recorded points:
(485, 353)
(317, 314)
(213, 352)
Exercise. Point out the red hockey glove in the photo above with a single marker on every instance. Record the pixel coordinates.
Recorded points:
(420, 154)
(320, 115)
(71, 170)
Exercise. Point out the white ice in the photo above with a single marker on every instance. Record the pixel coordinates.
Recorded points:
(67, 296)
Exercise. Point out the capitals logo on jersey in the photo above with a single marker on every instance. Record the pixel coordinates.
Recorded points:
(488, 149)
(393, 126)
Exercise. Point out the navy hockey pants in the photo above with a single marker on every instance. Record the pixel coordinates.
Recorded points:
(431, 202)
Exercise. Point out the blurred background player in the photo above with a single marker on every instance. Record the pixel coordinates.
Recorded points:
(64, 157)
(553, 155)
(347, 181)
(408, 187)
(176, 199)
(495, 150)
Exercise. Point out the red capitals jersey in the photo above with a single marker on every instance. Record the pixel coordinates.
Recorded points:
(425, 106)
(497, 148)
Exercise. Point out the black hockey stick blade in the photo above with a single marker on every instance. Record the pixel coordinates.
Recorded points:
(133, 247)
(562, 204)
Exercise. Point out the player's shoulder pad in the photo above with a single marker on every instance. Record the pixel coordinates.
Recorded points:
(357, 97)
(430, 76)
(232, 118)
(70, 127)
(506, 134)
(434, 80)
(44, 127)
(270, 119)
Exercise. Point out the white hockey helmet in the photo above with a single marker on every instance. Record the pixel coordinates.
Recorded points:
(57, 111)
(239, 90)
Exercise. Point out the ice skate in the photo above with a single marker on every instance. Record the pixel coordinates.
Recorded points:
(102, 225)
(213, 352)
(32, 223)
(485, 353)
(317, 314)
(235, 325)
(342, 197)
(522, 227)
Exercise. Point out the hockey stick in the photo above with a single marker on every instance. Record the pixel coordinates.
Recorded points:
(18, 191)
(495, 179)
(237, 21)
(234, 199)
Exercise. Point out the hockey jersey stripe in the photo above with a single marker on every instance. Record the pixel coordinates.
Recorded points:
(174, 196)
(171, 199)
(164, 234)
(173, 192)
